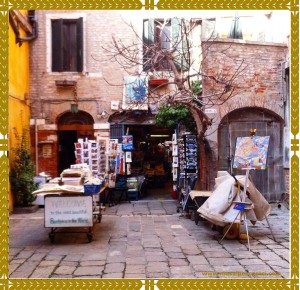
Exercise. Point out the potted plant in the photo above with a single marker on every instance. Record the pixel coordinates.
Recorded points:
(22, 172)
(157, 80)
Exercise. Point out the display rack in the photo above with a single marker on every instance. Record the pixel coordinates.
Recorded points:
(188, 167)
(92, 153)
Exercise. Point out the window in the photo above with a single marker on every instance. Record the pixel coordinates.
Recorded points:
(159, 37)
(162, 34)
(67, 45)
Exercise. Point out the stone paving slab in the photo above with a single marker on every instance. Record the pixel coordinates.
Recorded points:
(130, 242)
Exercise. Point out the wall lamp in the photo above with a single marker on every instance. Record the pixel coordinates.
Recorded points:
(104, 114)
(74, 107)
(74, 103)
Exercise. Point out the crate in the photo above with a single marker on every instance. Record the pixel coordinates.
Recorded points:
(92, 188)
(133, 195)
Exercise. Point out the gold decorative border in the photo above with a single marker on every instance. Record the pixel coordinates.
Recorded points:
(149, 284)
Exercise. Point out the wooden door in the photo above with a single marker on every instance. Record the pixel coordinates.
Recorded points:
(270, 182)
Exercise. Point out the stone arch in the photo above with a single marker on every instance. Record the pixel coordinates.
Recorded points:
(70, 128)
(79, 118)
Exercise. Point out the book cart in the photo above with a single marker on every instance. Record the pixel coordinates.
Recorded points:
(70, 210)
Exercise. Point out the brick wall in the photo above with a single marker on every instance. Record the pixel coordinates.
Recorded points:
(258, 85)
(92, 84)
(48, 164)
(99, 83)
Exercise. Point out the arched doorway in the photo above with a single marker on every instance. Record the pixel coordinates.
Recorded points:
(71, 127)
(270, 182)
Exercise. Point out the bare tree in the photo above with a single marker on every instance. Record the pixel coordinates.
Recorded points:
(171, 49)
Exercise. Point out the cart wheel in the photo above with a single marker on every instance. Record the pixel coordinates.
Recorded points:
(90, 237)
(196, 218)
(99, 218)
(233, 233)
(51, 237)
(193, 214)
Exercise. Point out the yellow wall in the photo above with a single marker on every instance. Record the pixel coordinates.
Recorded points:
(18, 107)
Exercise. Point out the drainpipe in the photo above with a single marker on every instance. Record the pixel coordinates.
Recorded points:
(32, 21)
(36, 147)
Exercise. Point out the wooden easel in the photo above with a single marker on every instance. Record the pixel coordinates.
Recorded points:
(243, 206)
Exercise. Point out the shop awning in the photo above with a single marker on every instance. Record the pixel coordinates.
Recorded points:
(135, 117)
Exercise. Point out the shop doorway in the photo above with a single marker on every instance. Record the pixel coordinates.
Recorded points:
(66, 155)
(151, 158)
(71, 127)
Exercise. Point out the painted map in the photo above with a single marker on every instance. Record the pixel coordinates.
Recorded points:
(251, 152)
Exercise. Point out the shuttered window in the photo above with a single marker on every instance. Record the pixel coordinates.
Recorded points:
(67, 45)
(159, 36)
(117, 131)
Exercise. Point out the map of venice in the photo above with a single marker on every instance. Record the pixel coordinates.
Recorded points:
(251, 152)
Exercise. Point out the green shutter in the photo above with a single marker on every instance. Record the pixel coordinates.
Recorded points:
(148, 35)
(57, 56)
(148, 40)
(180, 43)
(80, 44)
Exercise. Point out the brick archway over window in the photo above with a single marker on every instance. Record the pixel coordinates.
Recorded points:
(80, 118)
(80, 122)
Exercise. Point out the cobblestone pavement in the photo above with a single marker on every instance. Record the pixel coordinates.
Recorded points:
(148, 240)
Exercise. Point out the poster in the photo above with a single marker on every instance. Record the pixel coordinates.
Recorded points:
(127, 143)
(135, 93)
(251, 152)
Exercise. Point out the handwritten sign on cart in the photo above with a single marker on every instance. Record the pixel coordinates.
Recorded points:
(68, 211)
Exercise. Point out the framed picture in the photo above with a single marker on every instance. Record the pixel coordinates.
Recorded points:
(251, 152)
(135, 93)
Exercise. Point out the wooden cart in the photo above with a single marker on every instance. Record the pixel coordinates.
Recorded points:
(198, 197)
(71, 211)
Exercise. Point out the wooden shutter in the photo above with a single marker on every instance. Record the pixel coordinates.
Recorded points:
(57, 42)
(80, 44)
(180, 42)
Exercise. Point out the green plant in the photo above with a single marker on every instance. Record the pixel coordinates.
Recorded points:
(22, 172)
(170, 116)
(196, 87)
